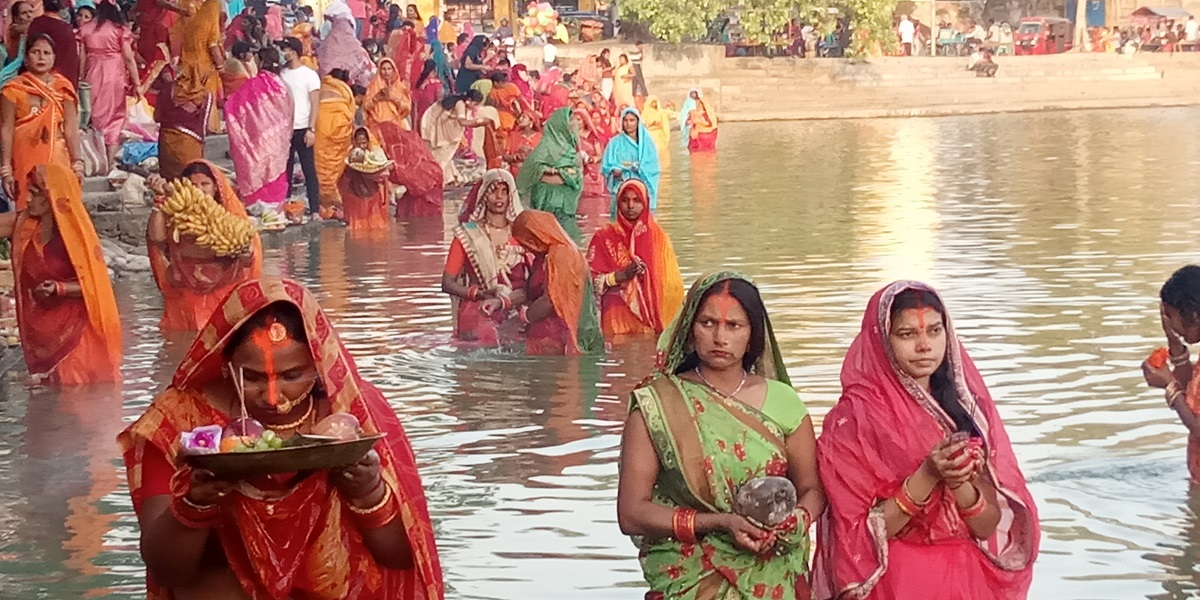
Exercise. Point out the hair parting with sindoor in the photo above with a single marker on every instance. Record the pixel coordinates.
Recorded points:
(941, 384)
(751, 301)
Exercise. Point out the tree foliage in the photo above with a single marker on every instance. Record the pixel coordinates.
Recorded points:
(762, 21)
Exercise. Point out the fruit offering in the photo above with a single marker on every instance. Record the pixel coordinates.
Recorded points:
(343, 426)
(1158, 358)
(191, 212)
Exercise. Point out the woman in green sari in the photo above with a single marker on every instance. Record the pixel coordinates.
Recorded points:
(552, 177)
(721, 414)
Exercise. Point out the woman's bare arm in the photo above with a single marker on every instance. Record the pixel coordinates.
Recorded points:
(172, 552)
(801, 448)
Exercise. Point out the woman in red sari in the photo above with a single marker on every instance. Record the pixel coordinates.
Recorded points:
(560, 307)
(414, 168)
(361, 532)
(66, 309)
(634, 268)
(907, 522)
(592, 150)
(485, 269)
(193, 280)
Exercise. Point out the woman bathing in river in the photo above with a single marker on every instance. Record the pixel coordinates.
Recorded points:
(1180, 310)
(721, 414)
(357, 533)
(926, 499)
(486, 269)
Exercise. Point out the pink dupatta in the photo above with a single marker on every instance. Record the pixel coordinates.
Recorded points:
(879, 432)
(259, 119)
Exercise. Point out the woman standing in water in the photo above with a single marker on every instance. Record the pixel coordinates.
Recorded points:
(485, 270)
(926, 499)
(552, 176)
(634, 268)
(1180, 310)
(560, 308)
(360, 532)
(193, 279)
(631, 154)
(722, 413)
(699, 123)
(66, 309)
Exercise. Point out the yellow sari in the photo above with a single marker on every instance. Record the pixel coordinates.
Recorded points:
(335, 128)
(656, 123)
(196, 35)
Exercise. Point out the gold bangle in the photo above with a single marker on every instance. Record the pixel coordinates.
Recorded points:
(387, 496)
(910, 496)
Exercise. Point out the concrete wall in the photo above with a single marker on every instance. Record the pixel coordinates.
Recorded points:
(756, 89)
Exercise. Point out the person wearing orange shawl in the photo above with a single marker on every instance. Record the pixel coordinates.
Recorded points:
(359, 532)
(560, 307)
(335, 127)
(588, 75)
(364, 185)
(415, 168)
(201, 55)
(634, 268)
(926, 499)
(193, 279)
(66, 309)
(39, 120)
(521, 142)
(304, 31)
(505, 96)
(388, 98)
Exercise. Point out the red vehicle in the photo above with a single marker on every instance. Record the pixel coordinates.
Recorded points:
(1043, 35)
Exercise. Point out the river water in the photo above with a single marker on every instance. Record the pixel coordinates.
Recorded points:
(1049, 235)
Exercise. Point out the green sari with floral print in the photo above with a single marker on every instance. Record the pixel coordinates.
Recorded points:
(708, 447)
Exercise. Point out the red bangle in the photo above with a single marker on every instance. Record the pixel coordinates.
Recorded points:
(975, 509)
(906, 503)
(384, 512)
(60, 288)
(523, 314)
(806, 518)
(506, 302)
(473, 293)
(188, 513)
(683, 523)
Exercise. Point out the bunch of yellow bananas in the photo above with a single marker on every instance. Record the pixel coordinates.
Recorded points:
(192, 212)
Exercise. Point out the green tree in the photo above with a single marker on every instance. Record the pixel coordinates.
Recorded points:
(870, 25)
(675, 21)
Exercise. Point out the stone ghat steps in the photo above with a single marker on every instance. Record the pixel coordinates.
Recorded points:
(107, 207)
(958, 70)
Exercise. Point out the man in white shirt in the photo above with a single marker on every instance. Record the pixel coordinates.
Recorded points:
(907, 32)
(993, 34)
(1191, 30)
(305, 86)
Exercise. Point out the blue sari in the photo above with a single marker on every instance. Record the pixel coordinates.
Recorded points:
(636, 160)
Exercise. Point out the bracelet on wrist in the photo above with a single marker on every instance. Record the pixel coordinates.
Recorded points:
(683, 524)
(975, 509)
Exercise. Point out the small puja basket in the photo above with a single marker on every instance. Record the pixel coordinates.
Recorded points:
(313, 455)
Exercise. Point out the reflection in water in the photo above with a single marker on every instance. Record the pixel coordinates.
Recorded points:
(1047, 241)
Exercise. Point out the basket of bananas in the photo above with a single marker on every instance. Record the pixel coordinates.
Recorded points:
(191, 212)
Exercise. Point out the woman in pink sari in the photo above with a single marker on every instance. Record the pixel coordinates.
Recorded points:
(592, 150)
(109, 67)
(906, 522)
(259, 120)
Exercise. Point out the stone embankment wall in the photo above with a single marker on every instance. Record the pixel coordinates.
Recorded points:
(764, 89)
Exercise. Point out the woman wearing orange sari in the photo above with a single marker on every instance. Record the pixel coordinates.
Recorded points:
(66, 310)
(335, 127)
(699, 122)
(388, 98)
(364, 184)
(360, 532)
(521, 142)
(193, 280)
(304, 31)
(200, 57)
(634, 268)
(39, 120)
(505, 96)
(560, 308)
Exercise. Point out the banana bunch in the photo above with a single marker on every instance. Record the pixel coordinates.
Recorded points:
(191, 212)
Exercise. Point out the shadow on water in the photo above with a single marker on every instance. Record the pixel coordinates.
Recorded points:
(1048, 243)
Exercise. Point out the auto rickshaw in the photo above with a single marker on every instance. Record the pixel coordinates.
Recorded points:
(1043, 35)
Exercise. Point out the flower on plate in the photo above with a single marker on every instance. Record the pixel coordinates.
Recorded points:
(201, 440)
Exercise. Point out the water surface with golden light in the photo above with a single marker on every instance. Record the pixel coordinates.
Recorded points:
(1049, 235)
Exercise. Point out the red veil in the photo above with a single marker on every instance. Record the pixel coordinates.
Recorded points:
(879, 432)
(303, 544)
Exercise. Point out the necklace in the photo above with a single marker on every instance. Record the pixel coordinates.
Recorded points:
(298, 422)
(741, 385)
